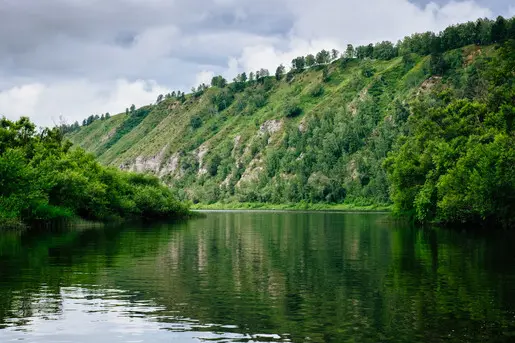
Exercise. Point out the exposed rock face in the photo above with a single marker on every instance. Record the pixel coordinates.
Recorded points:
(252, 172)
(353, 170)
(170, 167)
(174, 105)
(109, 135)
(237, 141)
(472, 56)
(270, 127)
(303, 125)
(352, 107)
(201, 152)
(146, 164)
(429, 83)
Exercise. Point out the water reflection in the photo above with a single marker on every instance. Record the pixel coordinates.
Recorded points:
(316, 277)
(86, 315)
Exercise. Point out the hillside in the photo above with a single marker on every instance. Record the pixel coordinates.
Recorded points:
(231, 150)
(323, 134)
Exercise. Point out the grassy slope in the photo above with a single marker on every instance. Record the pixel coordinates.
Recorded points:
(93, 137)
(292, 207)
(166, 129)
(167, 125)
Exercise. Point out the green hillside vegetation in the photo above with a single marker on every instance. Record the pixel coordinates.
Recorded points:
(426, 124)
(42, 180)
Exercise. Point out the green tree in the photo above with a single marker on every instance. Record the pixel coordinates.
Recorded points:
(279, 72)
(384, 51)
(323, 57)
(218, 81)
(349, 52)
(291, 108)
(310, 60)
(437, 64)
(499, 30)
(196, 122)
(298, 64)
(335, 54)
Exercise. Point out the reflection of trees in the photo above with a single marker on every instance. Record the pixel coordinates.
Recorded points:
(332, 278)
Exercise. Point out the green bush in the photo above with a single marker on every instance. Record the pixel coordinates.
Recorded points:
(291, 109)
(42, 180)
(316, 90)
(195, 122)
(456, 165)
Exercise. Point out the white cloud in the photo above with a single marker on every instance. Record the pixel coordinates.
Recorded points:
(79, 59)
(233, 68)
(269, 56)
(375, 20)
(20, 101)
(203, 77)
(328, 24)
(511, 11)
(76, 99)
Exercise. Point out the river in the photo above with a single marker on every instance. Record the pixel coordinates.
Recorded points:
(258, 277)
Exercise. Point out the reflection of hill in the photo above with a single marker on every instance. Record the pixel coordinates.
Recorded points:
(330, 277)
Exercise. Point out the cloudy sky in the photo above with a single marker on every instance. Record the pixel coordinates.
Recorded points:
(73, 58)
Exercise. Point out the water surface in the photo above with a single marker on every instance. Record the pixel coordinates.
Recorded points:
(258, 277)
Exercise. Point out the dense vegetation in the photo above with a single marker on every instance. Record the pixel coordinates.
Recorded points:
(426, 123)
(456, 163)
(42, 179)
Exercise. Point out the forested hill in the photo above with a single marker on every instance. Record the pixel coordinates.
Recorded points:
(426, 124)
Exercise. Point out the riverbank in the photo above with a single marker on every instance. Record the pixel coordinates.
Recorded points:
(77, 222)
(293, 207)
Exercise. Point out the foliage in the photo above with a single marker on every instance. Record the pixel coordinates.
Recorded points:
(291, 108)
(218, 81)
(279, 72)
(323, 57)
(456, 163)
(41, 179)
(222, 99)
(310, 60)
(195, 122)
(321, 134)
(384, 51)
(316, 90)
(133, 120)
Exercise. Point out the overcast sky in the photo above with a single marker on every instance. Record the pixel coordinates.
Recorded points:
(73, 58)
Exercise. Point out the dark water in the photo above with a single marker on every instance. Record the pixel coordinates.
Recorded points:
(258, 277)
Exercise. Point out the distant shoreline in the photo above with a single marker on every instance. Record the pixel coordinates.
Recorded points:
(344, 208)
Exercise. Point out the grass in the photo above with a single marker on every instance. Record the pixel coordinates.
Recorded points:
(234, 135)
(168, 124)
(11, 224)
(293, 207)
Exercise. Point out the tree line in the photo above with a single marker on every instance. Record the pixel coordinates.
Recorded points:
(42, 179)
(480, 32)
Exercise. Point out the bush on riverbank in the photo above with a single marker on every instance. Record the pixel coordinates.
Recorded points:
(42, 179)
(456, 162)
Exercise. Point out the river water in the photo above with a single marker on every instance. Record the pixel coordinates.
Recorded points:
(258, 277)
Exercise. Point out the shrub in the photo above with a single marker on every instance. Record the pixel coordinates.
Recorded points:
(42, 180)
(316, 90)
(195, 122)
(291, 109)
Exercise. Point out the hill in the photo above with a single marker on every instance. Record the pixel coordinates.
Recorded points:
(426, 124)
